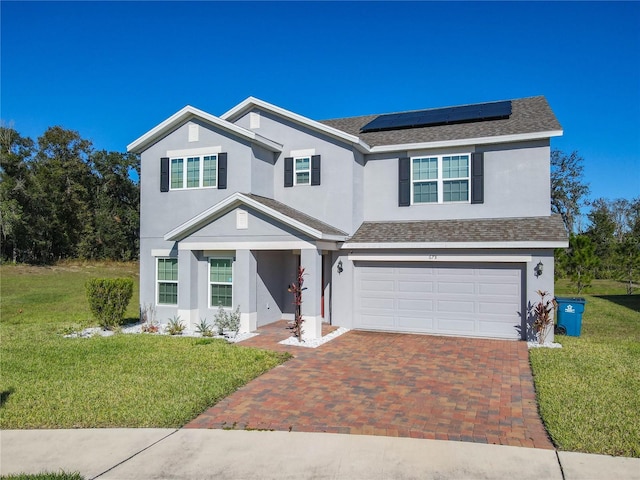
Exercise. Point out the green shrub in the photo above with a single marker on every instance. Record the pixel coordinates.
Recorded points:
(175, 326)
(108, 299)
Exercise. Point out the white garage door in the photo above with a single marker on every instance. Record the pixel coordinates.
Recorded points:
(471, 300)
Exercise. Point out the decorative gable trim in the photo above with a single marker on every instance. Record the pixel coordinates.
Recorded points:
(234, 201)
(189, 113)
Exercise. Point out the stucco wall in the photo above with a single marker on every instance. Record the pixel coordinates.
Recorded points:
(516, 184)
(341, 176)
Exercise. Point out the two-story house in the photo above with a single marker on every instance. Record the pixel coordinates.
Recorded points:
(433, 221)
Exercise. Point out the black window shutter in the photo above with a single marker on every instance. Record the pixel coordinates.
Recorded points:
(477, 178)
(404, 182)
(164, 174)
(222, 171)
(288, 172)
(315, 170)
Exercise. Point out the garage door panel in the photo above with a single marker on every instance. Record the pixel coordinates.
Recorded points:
(415, 305)
(452, 306)
(377, 320)
(378, 285)
(457, 325)
(414, 323)
(458, 288)
(499, 289)
(478, 300)
(414, 286)
(488, 327)
(498, 308)
(379, 303)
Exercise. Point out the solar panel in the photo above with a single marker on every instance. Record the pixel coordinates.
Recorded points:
(440, 116)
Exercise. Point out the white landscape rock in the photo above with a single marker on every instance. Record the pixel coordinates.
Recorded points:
(136, 328)
(543, 345)
(315, 343)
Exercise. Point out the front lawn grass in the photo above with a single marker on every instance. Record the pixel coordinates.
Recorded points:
(589, 390)
(49, 381)
(44, 476)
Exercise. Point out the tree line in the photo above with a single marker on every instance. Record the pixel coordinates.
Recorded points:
(60, 198)
(607, 245)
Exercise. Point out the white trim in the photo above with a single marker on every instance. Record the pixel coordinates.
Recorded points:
(189, 317)
(235, 112)
(296, 171)
(519, 137)
(238, 198)
(248, 322)
(311, 327)
(162, 252)
(194, 152)
(331, 246)
(406, 245)
(309, 152)
(214, 246)
(187, 113)
(440, 258)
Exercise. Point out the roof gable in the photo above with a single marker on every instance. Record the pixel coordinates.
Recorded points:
(189, 113)
(280, 212)
(252, 102)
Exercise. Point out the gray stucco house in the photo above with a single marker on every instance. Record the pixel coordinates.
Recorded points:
(434, 221)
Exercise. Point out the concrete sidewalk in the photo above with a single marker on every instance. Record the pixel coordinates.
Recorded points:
(238, 454)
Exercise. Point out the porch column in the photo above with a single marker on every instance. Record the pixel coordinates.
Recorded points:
(245, 273)
(311, 261)
(188, 288)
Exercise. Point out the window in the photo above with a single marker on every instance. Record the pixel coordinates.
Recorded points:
(167, 281)
(194, 172)
(221, 282)
(303, 171)
(440, 179)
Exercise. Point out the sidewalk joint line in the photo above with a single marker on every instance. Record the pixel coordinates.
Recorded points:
(135, 454)
(560, 464)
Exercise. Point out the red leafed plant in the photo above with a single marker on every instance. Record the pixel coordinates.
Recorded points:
(542, 312)
(296, 288)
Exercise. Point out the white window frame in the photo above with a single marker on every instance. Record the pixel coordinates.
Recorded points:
(185, 162)
(440, 180)
(210, 283)
(296, 171)
(158, 281)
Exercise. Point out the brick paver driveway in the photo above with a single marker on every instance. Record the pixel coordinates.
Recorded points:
(391, 384)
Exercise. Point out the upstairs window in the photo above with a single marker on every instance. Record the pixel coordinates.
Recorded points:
(440, 179)
(194, 172)
(303, 171)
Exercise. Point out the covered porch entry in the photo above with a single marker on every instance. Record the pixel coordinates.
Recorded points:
(244, 253)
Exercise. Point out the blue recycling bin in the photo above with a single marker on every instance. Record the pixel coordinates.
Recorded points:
(570, 310)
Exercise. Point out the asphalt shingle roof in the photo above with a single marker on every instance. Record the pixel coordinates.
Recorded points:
(528, 115)
(521, 229)
(296, 215)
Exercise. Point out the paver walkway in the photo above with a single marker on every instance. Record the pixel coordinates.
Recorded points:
(369, 383)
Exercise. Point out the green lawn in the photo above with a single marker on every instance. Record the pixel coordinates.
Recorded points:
(589, 391)
(49, 381)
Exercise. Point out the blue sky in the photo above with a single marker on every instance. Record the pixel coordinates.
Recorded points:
(114, 70)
